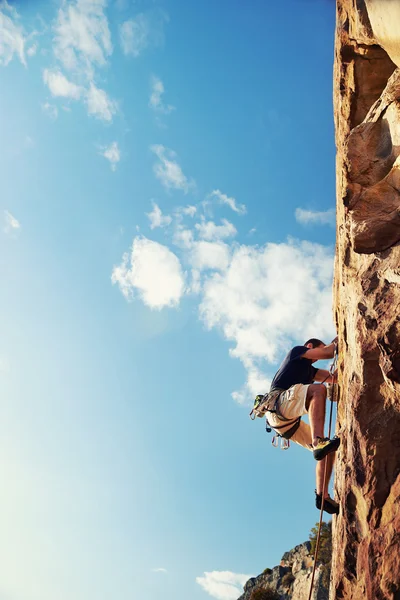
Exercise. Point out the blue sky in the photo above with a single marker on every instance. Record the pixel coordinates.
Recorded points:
(167, 233)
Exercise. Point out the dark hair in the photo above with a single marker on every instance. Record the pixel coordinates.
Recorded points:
(315, 342)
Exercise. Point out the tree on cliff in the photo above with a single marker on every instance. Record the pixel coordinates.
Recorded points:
(324, 550)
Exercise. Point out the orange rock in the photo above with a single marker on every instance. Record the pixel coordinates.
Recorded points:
(366, 561)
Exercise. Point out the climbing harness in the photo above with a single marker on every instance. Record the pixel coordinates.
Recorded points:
(331, 396)
(270, 403)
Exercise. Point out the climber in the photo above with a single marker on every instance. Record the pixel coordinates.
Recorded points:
(294, 394)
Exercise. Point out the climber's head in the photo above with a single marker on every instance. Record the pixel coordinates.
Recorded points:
(314, 343)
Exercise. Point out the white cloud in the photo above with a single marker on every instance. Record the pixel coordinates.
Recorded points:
(223, 585)
(157, 219)
(134, 35)
(11, 223)
(153, 272)
(159, 570)
(50, 110)
(168, 171)
(12, 40)
(60, 86)
(99, 104)
(209, 255)
(267, 297)
(155, 102)
(112, 154)
(82, 36)
(311, 217)
(262, 299)
(240, 209)
(208, 230)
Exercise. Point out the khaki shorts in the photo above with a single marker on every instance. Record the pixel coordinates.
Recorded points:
(292, 405)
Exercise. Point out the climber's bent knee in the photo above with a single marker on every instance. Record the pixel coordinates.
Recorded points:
(316, 392)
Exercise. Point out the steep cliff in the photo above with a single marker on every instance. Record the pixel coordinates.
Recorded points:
(290, 580)
(366, 561)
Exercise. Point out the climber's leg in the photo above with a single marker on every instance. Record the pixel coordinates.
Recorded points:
(315, 404)
(330, 506)
(329, 459)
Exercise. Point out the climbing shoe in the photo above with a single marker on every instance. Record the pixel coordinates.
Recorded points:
(330, 506)
(325, 446)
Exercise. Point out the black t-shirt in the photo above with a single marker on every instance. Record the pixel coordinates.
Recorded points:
(294, 369)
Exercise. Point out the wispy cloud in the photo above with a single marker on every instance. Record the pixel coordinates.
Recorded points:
(50, 110)
(208, 230)
(112, 154)
(134, 35)
(183, 237)
(11, 223)
(82, 36)
(143, 31)
(240, 209)
(32, 50)
(312, 217)
(60, 86)
(223, 585)
(156, 102)
(99, 104)
(152, 272)
(168, 171)
(12, 39)
(82, 44)
(159, 570)
(157, 219)
(189, 210)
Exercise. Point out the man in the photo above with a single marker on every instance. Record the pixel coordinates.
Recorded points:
(296, 394)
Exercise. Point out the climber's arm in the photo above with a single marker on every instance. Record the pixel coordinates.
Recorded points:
(321, 353)
(322, 375)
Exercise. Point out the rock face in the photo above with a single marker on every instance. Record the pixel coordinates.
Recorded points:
(366, 541)
(291, 579)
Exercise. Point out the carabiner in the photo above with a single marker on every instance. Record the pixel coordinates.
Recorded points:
(285, 444)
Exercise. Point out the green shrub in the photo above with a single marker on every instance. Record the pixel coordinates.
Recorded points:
(267, 571)
(264, 594)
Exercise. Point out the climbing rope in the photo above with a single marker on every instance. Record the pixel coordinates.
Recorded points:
(332, 390)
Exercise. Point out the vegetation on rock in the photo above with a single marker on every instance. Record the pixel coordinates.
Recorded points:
(264, 594)
(325, 549)
(287, 579)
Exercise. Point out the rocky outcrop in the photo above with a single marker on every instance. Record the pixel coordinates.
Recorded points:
(291, 579)
(366, 563)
